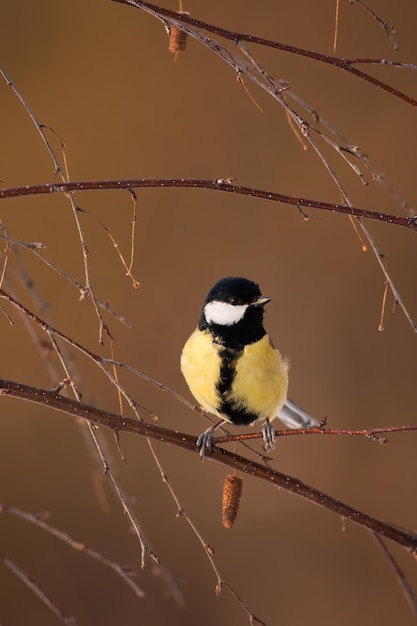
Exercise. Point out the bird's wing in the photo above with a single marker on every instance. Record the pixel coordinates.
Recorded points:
(294, 416)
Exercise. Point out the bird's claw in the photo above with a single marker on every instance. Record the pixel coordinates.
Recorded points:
(204, 441)
(268, 434)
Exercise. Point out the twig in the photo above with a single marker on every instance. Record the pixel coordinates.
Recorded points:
(353, 150)
(135, 283)
(38, 125)
(190, 25)
(63, 175)
(388, 29)
(382, 264)
(219, 184)
(252, 617)
(370, 433)
(124, 571)
(409, 222)
(145, 549)
(402, 581)
(35, 248)
(35, 588)
(336, 25)
(208, 550)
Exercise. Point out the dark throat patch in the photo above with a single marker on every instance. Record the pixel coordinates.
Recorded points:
(233, 409)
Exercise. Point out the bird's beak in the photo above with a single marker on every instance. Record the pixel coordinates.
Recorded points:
(261, 301)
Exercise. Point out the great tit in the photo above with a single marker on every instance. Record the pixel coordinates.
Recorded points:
(232, 367)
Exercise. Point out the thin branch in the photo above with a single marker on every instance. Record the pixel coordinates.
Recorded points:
(388, 29)
(116, 246)
(354, 150)
(38, 125)
(53, 400)
(189, 24)
(144, 547)
(253, 619)
(219, 184)
(124, 571)
(409, 222)
(370, 433)
(208, 550)
(35, 588)
(383, 265)
(402, 581)
(34, 248)
(103, 328)
(336, 25)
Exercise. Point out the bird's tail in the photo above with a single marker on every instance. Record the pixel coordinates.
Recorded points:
(294, 416)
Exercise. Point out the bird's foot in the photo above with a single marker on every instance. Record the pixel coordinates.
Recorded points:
(268, 434)
(205, 441)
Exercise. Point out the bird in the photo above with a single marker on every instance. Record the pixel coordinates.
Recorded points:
(233, 369)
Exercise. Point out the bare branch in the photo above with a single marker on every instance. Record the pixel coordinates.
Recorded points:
(189, 25)
(35, 588)
(402, 581)
(124, 571)
(388, 29)
(53, 400)
(219, 184)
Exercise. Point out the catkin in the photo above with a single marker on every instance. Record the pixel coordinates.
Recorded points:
(232, 491)
(177, 37)
(177, 40)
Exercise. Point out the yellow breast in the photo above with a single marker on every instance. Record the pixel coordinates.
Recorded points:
(200, 365)
(261, 379)
(260, 382)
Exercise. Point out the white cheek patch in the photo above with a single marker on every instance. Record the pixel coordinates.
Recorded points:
(223, 313)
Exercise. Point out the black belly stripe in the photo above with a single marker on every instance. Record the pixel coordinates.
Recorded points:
(235, 412)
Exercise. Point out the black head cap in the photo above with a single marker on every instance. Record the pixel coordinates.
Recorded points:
(234, 290)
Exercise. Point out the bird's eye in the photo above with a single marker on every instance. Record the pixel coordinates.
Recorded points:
(234, 300)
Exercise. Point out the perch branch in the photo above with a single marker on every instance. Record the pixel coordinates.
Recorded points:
(54, 400)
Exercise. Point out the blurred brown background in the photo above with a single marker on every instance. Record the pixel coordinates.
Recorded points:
(101, 75)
